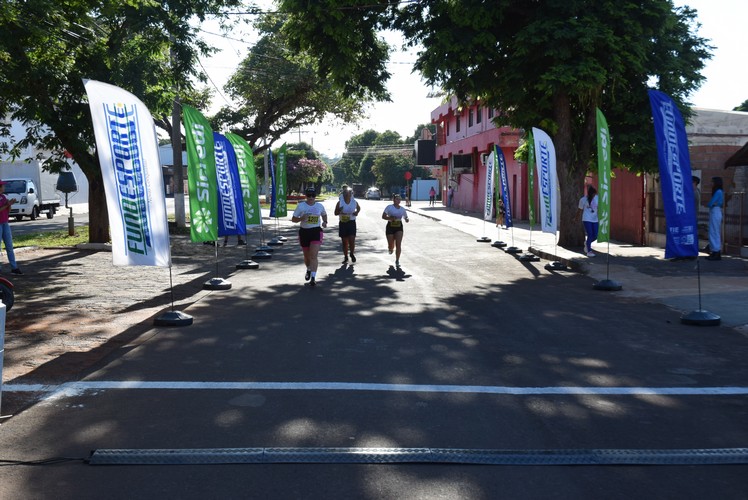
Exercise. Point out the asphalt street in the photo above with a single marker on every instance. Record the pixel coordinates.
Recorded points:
(464, 348)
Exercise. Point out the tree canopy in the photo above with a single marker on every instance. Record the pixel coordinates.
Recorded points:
(280, 90)
(48, 47)
(546, 64)
(379, 158)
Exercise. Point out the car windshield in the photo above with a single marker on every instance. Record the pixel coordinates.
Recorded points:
(17, 186)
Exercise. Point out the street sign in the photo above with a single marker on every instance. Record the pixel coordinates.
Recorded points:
(408, 175)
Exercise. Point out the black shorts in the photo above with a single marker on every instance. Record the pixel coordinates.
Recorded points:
(310, 235)
(394, 227)
(346, 229)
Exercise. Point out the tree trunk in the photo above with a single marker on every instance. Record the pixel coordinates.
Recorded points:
(98, 215)
(571, 179)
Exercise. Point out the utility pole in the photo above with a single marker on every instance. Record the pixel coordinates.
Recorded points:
(176, 147)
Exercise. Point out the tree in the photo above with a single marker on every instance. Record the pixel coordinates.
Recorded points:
(742, 107)
(390, 169)
(545, 64)
(49, 47)
(303, 167)
(280, 90)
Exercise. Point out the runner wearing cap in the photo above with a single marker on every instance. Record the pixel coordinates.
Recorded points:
(309, 213)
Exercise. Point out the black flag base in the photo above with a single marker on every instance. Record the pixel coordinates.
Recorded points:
(248, 264)
(498, 244)
(607, 285)
(483, 239)
(700, 318)
(173, 318)
(529, 257)
(556, 266)
(217, 284)
(513, 250)
(275, 242)
(262, 255)
(265, 248)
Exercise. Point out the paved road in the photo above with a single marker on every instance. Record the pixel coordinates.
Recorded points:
(465, 348)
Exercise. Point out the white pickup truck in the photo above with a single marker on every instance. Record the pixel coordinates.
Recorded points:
(33, 187)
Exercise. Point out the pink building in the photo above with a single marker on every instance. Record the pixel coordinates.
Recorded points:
(465, 136)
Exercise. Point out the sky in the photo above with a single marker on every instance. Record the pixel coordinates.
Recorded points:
(726, 85)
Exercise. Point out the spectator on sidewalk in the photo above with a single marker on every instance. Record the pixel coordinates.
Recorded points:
(450, 196)
(432, 196)
(588, 210)
(5, 235)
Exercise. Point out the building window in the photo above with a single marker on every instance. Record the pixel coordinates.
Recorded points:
(470, 117)
(490, 113)
(478, 114)
(457, 124)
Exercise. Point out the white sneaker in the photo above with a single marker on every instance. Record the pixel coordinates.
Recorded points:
(590, 254)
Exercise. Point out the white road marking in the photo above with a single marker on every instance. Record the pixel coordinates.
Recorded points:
(73, 388)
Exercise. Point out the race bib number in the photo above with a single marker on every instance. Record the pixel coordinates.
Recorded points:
(396, 223)
(312, 219)
(345, 218)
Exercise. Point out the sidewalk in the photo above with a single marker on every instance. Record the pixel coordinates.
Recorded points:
(643, 272)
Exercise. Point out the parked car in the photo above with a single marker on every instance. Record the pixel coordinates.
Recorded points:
(373, 194)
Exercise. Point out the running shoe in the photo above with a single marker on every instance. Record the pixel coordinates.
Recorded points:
(591, 254)
(307, 275)
(345, 259)
(397, 263)
(312, 282)
(353, 258)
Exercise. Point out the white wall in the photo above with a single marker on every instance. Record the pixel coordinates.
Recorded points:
(17, 132)
(420, 189)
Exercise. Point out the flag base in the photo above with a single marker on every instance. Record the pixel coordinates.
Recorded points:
(483, 239)
(217, 284)
(556, 266)
(275, 242)
(607, 286)
(498, 244)
(265, 248)
(512, 250)
(173, 318)
(262, 255)
(529, 257)
(248, 264)
(700, 318)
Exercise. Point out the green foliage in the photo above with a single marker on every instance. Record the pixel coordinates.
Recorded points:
(52, 239)
(345, 39)
(544, 64)
(742, 107)
(48, 47)
(379, 158)
(280, 90)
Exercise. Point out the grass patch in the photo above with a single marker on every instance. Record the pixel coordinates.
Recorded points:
(52, 238)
